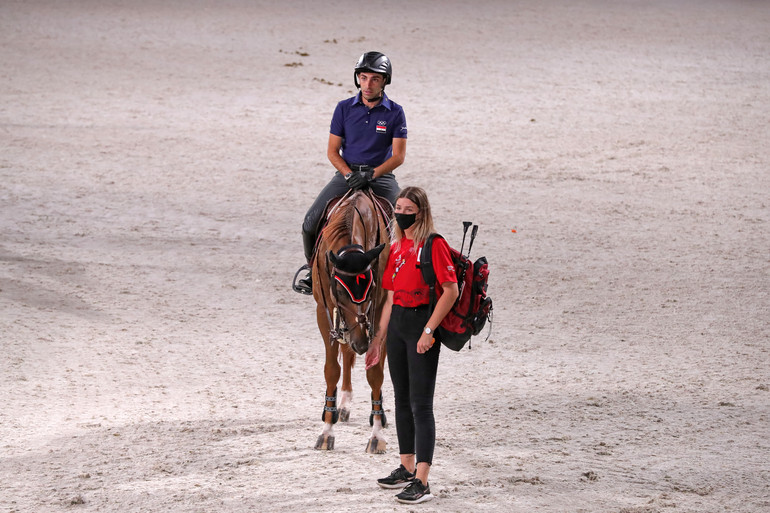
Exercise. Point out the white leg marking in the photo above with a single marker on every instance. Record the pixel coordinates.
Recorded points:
(377, 430)
(344, 400)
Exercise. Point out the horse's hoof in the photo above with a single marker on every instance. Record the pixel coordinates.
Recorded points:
(325, 443)
(344, 414)
(375, 446)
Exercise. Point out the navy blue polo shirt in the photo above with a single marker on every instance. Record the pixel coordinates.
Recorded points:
(367, 134)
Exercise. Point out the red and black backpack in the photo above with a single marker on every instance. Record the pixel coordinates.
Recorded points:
(473, 307)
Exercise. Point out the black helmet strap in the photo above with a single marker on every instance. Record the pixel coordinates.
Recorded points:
(373, 100)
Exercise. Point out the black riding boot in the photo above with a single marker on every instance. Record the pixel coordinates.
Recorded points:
(306, 283)
(308, 243)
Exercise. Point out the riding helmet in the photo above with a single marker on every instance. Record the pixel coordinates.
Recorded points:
(375, 62)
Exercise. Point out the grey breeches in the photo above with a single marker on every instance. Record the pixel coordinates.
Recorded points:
(385, 186)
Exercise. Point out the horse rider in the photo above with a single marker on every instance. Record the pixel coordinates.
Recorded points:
(367, 141)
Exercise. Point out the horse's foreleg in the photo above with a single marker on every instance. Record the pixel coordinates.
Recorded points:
(377, 442)
(329, 416)
(346, 395)
(330, 412)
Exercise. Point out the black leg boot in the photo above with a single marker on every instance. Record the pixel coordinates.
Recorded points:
(305, 285)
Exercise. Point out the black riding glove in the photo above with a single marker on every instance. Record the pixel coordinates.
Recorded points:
(356, 181)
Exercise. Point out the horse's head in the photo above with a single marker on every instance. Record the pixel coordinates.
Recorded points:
(352, 284)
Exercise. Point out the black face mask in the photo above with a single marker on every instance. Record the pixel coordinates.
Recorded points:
(405, 220)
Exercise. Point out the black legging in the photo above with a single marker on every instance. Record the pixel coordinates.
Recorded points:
(414, 381)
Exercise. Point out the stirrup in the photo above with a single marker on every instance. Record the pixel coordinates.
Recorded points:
(301, 287)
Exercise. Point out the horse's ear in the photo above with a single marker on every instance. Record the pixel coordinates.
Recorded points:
(332, 258)
(375, 252)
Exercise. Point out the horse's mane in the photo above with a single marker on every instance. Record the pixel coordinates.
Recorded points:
(341, 223)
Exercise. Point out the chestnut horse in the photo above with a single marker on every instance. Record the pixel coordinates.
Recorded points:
(347, 286)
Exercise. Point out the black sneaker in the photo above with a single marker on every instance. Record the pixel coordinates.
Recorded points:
(415, 493)
(397, 479)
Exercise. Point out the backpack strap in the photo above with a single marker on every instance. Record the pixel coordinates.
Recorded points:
(426, 267)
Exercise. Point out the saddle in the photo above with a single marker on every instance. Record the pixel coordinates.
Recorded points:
(383, 206)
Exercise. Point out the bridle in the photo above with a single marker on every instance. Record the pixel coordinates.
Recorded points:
(362, 305)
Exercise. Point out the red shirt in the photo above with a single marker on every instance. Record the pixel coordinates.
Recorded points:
(404, 278)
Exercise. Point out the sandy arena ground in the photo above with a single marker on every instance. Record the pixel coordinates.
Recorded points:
(157, 160)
